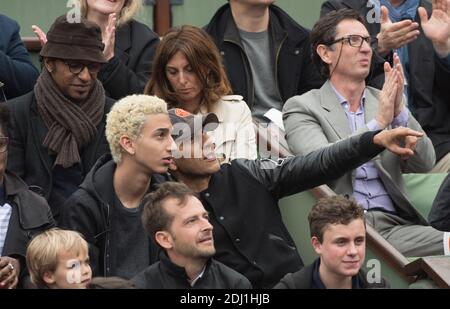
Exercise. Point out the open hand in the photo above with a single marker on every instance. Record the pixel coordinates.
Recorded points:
(398, 105)
(40, 34)
(437, 27)
(109, 36)
(386, 101)
(394, 35)
(400, 141)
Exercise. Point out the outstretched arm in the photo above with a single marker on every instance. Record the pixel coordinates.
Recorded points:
(299, 173)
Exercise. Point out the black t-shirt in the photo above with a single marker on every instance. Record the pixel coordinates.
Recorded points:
(129, 242)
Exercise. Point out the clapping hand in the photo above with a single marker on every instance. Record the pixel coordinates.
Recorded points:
(437, 27)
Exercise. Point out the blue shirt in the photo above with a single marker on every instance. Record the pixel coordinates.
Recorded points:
(368, 190)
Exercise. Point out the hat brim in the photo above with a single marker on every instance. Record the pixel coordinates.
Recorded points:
(210, 122)
(73, 52)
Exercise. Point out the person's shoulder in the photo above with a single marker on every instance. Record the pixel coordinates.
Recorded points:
(233, 101)
(216, 26)
(109, 102)
(22, 103)
(142, 29)
(223, 268)
(8, 23)
(235, 277)
(147, 277)
(300, 279)
(232, 98)
(289, 23)
(231, 108)
(310, 98)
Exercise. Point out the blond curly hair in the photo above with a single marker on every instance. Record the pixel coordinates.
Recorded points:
(127, 117)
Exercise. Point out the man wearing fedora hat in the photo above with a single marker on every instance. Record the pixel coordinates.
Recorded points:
(58, 128)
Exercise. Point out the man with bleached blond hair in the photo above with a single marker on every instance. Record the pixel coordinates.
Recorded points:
(107, 207)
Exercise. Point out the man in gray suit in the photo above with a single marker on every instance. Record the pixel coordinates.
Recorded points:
(345, 106)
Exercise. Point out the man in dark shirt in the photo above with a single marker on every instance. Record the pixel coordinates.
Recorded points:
(242, 197)
(175, 218)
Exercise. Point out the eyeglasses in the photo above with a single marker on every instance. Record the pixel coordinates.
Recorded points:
(4, 141)
(77, 67)
(355, 40)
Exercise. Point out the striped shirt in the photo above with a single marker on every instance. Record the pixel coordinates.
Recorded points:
(5, 215)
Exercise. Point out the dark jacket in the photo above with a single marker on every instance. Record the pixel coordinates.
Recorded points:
(439, 216)
(294, 70)
(31, 161)
(306, 278)
(30, 215)
(129, 70)
(166, 275)
(429, 79)
(88, 211)
(16, 70)
(242, 199)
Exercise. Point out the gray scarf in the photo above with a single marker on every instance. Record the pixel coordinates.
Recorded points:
(71, 125)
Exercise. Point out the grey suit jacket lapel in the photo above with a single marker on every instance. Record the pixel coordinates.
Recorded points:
(370, 106)
(335, 115)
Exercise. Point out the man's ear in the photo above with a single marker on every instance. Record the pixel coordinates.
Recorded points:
(49, 64)
(324, 53)
(164, 239)
(127, 144)
(317, 246)
(49, 278)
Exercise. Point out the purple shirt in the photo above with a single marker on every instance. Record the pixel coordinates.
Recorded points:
(369, 191)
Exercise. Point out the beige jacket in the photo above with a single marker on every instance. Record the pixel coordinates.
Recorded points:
(235, 136)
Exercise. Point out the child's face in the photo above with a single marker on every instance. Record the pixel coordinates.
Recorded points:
(73, 271)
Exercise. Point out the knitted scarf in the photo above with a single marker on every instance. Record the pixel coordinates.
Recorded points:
(71, 125)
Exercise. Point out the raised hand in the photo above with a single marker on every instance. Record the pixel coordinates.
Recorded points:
(40, 34)
(109, 36)
(400, 141)
(398, 106)
(437, 27)
(386, 101)
(394, 35)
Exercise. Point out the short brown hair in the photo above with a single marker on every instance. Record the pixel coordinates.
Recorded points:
(333, 210)
(204, 58)
(324, 32)
(154, 217)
